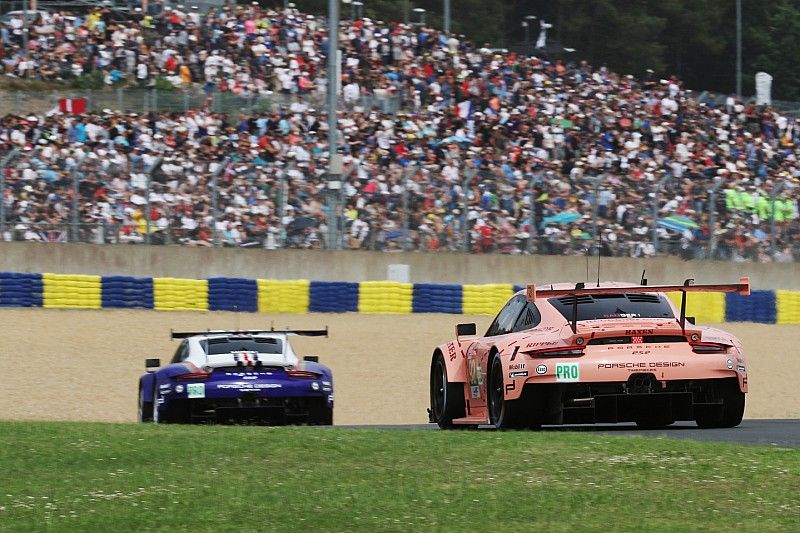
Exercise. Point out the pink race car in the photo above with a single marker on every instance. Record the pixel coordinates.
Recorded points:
(571, 354)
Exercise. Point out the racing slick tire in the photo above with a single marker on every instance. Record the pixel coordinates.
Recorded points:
(321, 415)
(145, 409)
(732, 408)
(447, 399)
(174, 414)
(505, 414)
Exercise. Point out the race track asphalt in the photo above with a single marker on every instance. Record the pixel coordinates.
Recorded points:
(782, 433)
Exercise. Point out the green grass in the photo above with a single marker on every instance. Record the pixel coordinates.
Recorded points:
(70, 476)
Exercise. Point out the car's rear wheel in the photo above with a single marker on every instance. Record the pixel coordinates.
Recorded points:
(145, 408)
(732, 410)
(321, 414)
(504, 414)
(447, 399)
(171, 412)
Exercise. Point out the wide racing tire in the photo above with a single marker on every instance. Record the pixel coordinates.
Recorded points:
(732, 407)
(145, 409)
(447, 399)
(504, 414)
(321, 414)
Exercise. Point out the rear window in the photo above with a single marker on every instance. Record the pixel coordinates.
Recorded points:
(221, 346)
(628, 305)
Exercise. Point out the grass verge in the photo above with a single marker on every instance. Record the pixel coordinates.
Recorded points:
(71, 476)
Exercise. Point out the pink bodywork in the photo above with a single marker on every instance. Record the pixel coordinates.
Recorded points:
(467, 357)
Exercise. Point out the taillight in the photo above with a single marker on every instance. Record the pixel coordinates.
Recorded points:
(193, 376)
(302, 374)
(708, 347)
(562, 351)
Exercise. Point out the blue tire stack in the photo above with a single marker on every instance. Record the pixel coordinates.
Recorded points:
(436, 298)
(333, 297)
(233, 294)
(760, 306)
(20, 289)
(127, 292)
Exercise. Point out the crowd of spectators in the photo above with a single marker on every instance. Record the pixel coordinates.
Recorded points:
(519, 153)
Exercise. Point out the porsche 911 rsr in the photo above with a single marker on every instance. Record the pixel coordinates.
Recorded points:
(238, 376)
(570, 354)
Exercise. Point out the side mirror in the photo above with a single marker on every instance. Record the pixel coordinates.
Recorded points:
(152, 363)
(691, 319)
(463, 330)
(311, 358)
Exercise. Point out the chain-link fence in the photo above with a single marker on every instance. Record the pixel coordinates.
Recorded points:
(146, 100)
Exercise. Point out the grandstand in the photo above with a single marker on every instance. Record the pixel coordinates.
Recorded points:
(448, 147)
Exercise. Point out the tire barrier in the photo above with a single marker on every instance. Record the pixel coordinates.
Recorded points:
(385, 297)
(333, 297)
(283, 296)
(706, 307)
(787, 304)
(127, 292)
(71, 291)
(485, 299)
(172, 294)
(233, 294)
(20, 289)
(435, 298)
(758, 307)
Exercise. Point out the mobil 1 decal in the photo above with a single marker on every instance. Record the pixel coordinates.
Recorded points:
(568, 372)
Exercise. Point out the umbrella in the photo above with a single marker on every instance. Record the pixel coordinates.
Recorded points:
(678, 223)
(561, 218)
(458, 139)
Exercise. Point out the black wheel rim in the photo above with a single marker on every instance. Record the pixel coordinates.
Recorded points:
(438, 390)
(496, 393)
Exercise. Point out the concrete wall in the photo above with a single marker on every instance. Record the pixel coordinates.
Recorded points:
(186, 262)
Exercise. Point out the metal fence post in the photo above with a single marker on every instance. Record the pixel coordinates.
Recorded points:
(283, 192)
(413, 169)
(596, 208)
(712, 217)
(341, 220)
(215, 201)
(3, 166)
(464, 220)
(75, 213)
(656, 191)
(147, 216)
(532, 229)
(772, 226)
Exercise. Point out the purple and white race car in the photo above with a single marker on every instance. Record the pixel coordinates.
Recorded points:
(238, 376)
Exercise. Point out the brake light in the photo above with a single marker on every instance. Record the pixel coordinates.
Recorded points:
(193, 376)
(708, 347)
(302, 374)
(562, 351)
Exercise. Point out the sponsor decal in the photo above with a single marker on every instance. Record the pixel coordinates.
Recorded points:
(541, 369)
(522, 374)
(516, 366)
(196, 390)
(568, 372)
(639, 331)
(178, 388)
(641, 365)
(315, 385)
(249, 386)
(740, 368)
(637, 339)
(326, 383)
(541, 343)
(451, 351)
(730, 364)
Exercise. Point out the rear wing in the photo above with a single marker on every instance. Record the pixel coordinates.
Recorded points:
(300, 332)
(743, 288)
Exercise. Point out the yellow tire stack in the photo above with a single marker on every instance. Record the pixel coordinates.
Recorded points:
(174, 294)
(283, 296)
(385, 297)
(706, 307)
(71, 291)
(787, 304)
(485, 299)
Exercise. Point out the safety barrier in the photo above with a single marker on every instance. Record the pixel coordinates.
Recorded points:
(71, 291)
(302, 296)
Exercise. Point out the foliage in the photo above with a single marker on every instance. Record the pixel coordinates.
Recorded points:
(90, 477)
(91, 80)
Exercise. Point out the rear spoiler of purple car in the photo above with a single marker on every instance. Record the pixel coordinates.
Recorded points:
(300, 332)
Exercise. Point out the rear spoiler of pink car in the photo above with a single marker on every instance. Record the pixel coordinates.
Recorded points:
(743, 288)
